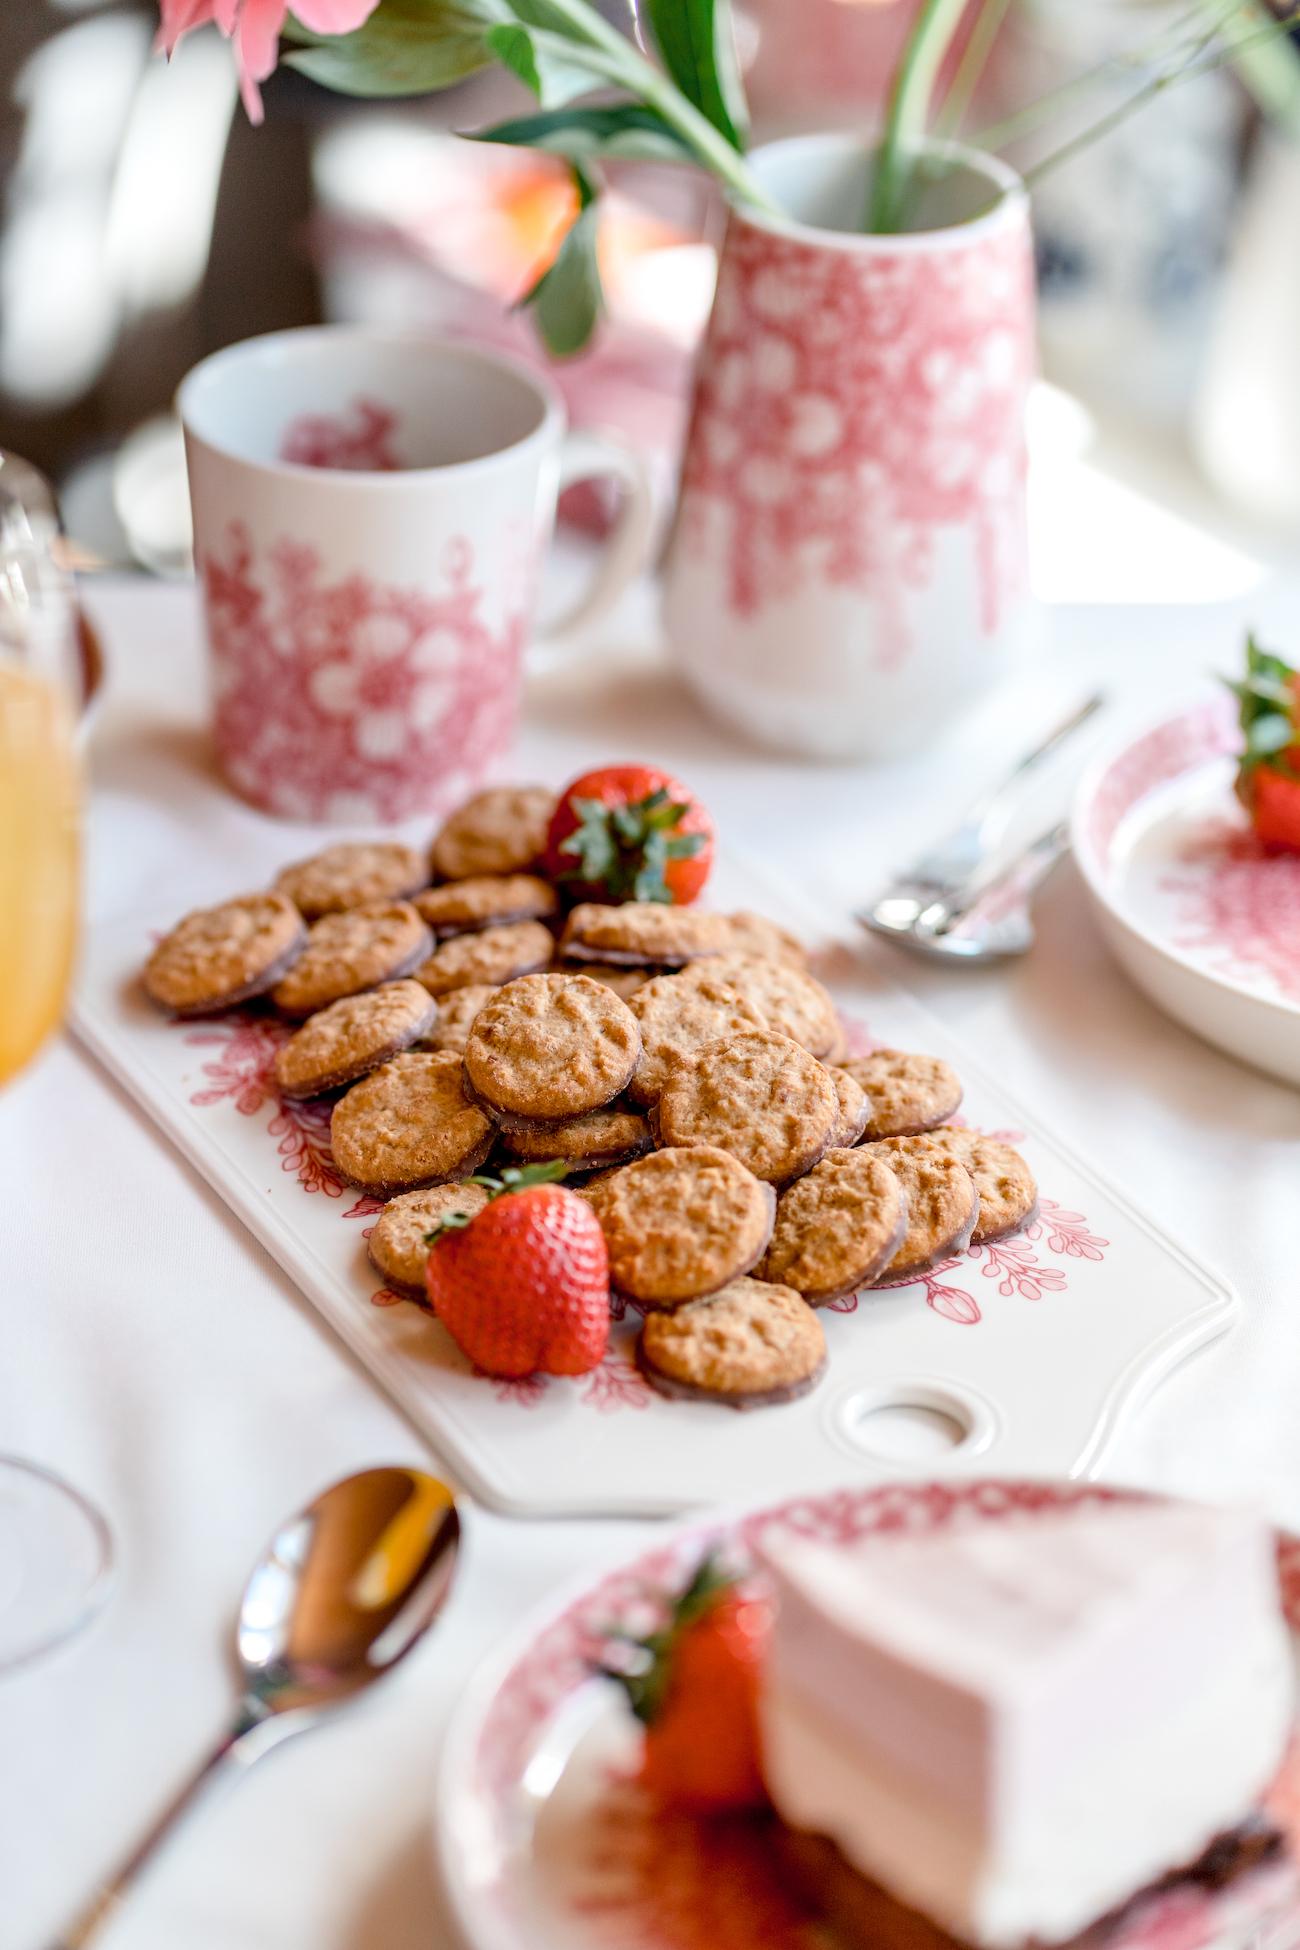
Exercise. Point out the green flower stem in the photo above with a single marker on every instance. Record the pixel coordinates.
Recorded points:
(608, 53)
(1230, 52)
(988, 25)
(997, 135)
(909, 104)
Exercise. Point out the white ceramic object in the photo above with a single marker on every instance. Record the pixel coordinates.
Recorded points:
(1246, 425)
(1031, 1351)
(371, 510)
(847, 569)
(539, 1847)
(1203, 918)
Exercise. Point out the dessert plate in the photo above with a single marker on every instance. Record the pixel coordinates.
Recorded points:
(1028, 1352)
(1205, 919)
(543, 1844)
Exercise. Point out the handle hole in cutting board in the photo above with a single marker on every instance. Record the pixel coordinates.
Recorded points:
(906, 1422)
(908, 1432)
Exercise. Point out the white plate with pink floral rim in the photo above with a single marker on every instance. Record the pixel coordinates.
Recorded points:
(545, 1843)
(1203, 917)
(1031, 1350)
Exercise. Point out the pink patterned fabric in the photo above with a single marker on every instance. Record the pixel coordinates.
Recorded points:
(854, 405)
(348, 699)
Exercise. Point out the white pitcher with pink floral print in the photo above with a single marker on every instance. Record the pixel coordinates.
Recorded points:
(371, 510)
(847, 570)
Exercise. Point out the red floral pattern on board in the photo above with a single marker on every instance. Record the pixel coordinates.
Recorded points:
(852, 407)
(244, 1073)
(358, 440)
(351, 699)
(245, 1069)
(1239, 906)
(639, 1876)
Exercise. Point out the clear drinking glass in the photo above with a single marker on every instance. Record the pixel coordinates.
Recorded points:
(54, 1547)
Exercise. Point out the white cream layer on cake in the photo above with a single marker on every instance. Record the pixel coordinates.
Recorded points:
(1014, 1726)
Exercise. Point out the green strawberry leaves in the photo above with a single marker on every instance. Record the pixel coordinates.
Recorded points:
(626, 849)
(513, 1178)
(1269, 700)
(644, 1664)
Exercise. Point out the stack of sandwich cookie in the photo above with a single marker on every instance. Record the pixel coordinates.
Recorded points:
(684, 1067)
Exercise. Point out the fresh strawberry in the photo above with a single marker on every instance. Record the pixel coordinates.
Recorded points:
(629, 833)
(1268, 776)
(695, 1686)
(523, 1287)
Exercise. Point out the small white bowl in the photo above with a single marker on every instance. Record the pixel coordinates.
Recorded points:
(1204, 919)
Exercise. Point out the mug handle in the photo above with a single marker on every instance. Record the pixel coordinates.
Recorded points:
(626, 550)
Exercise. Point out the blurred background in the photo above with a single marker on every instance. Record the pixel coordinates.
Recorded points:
(143, 222)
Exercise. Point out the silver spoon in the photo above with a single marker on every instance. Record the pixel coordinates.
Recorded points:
(992, 921)
(341, 1594)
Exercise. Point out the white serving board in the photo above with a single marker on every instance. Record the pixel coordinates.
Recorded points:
(1038, 1346)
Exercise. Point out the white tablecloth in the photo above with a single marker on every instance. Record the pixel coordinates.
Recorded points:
(154, 1353)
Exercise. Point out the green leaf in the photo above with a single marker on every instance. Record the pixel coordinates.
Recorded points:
(619, 132)
(552, 68)
(697, 41)
(567, 299)
(1270, 733)
(407, 47)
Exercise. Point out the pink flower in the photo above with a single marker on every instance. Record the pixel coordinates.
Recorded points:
(254, 28)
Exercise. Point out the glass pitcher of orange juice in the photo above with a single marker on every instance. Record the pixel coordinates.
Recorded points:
(39, 787)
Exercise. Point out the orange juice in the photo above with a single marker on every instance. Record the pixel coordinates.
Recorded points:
(39, 798)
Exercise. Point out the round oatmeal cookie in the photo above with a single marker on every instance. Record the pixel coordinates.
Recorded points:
(486, 960)
(1007, 1187)
(551, 1046)
(942, 1205)
(837, 1228)
(908, 1092)
(352, 951)
(677, 1019)
(397, 1246)
(751, 1345)
(642, 933)
(791, 1001)
(342, 1042)
(681, 1223)
(754, 934)
(409, 1123)
(759, 1096)
(855, 1108)
(486, 901)
(624, 981)
(502, 830)
(218, 956)
(456, 1012)
(598, 1140)
(351, 874)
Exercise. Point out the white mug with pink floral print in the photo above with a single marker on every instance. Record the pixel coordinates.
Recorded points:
(371, 511)
(848, 566)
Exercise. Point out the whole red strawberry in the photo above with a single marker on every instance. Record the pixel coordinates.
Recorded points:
(523, 1287)
(629, 833)
(1268, 775)
(695, 1685)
